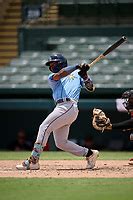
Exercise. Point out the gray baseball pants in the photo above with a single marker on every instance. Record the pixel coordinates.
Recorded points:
(59, 122)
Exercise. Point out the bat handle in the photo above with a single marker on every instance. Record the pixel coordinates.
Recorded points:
(101, 56)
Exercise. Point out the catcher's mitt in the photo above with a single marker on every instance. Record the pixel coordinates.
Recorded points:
(100, 121)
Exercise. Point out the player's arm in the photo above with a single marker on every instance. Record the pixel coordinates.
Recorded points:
(87, 80)
(64, 72)
(127, 124)
(69, 69)
(89, 83)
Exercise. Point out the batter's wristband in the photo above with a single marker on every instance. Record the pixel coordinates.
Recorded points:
(88, 79)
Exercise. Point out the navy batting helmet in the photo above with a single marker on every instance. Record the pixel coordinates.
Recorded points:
(56, 62)
(127, 96)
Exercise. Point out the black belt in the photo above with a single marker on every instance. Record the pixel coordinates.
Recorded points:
(62, 100)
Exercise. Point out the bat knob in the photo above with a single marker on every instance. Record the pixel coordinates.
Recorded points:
(124, 38)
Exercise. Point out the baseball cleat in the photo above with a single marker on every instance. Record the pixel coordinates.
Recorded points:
(91, 160)
(27, 165)
(131, 161)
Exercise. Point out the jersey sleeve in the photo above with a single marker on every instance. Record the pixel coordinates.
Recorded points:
(50, 77)
(52, 83)
(82, 82)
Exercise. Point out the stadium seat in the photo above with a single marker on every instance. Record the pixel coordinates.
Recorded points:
(29, 85)
(127, 70)
(115, 70)
(19, 62)
(44, 55)
(101, 79)
(76, 40)
(125, 55)
(43, 71)
(121, 78)
(66, 48)
(39, 79)
(7, 85)
(71, 55)
(29, 55)
(28, 70)
(3, 79)
(56, 40)
(18, 79)
(8, 70)
(109, 85)
(125, 48)
(86, 48)
(88, 56)
(97, 40)
(113, 55)
(110, 70)
(37, 63)
(94, 70)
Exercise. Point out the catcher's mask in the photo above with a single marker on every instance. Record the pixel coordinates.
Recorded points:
(56, 62)
(128, 100)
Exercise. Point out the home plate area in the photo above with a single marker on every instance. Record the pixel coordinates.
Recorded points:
(69, 169)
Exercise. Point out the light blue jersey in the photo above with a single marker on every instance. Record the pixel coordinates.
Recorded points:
(67, 87)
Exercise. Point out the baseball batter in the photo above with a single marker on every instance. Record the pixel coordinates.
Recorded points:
(101, 122)
(66, 83)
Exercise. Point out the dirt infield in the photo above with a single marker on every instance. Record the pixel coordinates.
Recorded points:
(69, 169)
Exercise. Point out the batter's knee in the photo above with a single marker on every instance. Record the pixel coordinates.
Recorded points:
(60, 145)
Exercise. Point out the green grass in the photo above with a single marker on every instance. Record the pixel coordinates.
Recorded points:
(66, 189)
(11, 155)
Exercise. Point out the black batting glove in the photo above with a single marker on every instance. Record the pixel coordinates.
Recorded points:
(83, 74)
(83, 67)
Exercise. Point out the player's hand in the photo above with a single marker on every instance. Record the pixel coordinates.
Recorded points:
(83, 67)
(83, 74)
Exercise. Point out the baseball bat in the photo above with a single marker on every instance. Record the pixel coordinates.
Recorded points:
(110, 49)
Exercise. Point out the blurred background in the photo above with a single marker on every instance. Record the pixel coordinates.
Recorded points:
(30, 31)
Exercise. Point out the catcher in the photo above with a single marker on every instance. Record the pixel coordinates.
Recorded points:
(101, 122)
